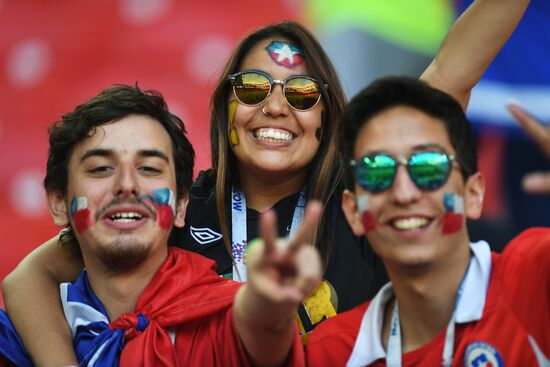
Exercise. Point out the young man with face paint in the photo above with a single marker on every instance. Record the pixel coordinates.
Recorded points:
(414, 180)
(118, 172)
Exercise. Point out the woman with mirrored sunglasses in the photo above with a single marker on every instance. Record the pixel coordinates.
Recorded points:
(274, 125)
(302, 104)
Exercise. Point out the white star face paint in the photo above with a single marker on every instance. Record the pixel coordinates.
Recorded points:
(285, 54)
(454, 212)
(367, 218)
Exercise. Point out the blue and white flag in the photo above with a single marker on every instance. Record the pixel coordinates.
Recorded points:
(94, 342)
(11, 347)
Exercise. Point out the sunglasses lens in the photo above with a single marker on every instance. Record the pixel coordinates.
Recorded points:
(375, 173)
(302, 93)
(429, 170)
(251, 88)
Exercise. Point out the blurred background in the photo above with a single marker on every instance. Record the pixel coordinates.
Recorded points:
(56, 54)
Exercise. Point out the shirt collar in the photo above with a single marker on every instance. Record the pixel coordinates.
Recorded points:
(368, 345)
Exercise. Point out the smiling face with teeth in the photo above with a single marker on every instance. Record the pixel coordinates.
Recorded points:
(280, 143)
(121, 185)
(409, 220)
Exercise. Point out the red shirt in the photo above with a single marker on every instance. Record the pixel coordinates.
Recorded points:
(502, 318)
(189, 314)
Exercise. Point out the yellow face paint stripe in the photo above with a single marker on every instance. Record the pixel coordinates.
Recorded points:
(233, 137)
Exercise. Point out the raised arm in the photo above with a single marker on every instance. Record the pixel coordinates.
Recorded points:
(281, 274)
(31, 297)
(471, 45)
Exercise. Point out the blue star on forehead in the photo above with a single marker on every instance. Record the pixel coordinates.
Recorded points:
(285, 54)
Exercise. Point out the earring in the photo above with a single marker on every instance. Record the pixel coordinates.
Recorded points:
(233, 137)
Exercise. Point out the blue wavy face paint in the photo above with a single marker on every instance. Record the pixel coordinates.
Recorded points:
(164, 201)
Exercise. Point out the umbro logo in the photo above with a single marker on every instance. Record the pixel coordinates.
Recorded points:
(204, 235)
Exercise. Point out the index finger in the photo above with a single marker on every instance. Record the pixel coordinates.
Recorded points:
(308, 227)
(534, 128)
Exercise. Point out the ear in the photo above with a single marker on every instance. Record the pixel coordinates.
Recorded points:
(473, 200)
(58, 208)
(181, 208)
(349, 207)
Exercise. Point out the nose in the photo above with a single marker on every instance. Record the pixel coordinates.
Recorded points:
(127, 185)
(275, 105)
(404, 190)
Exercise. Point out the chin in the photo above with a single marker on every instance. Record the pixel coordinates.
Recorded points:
(411, 258)
(416, 263)
(122, 256)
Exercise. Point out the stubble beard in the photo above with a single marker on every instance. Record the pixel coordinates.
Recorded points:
(123, 255)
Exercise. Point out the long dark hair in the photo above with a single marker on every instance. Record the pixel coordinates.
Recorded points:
(325, 169)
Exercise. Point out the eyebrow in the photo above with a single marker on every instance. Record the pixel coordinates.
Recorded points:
(429, 146)
(97, 153)
(110, 152)
(154, 153)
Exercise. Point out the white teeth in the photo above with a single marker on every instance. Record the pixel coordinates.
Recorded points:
(273, 135)
(126, 217)
(409, 224)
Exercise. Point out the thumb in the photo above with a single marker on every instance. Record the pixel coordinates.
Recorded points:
(537, 183)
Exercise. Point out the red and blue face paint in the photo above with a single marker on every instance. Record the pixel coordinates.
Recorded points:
(80, 213)
(165, 204)
(454, 212)
(285, 54)
(367, 217)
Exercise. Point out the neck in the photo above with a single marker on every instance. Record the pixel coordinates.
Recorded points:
(119, 292)
(426, 300)
(263, 193)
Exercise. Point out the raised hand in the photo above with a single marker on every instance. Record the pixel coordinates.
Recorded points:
(285, 270)
(536, 182)
(281, 273)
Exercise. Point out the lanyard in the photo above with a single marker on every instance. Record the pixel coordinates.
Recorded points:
(239, 229)
(393, 354)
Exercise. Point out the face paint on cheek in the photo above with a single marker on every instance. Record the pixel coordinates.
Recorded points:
(165, 204)
(285, 54)
(454, 212)
(319, 129)
(233, 137)
(80, 213)
(367, 217)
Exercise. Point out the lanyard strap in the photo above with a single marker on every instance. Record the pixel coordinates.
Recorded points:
(393, 354)
(239, 241)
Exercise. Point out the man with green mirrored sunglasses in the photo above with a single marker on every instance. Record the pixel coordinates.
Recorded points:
(413, 182)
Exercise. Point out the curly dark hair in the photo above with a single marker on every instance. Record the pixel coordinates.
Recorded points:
(111, 105)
